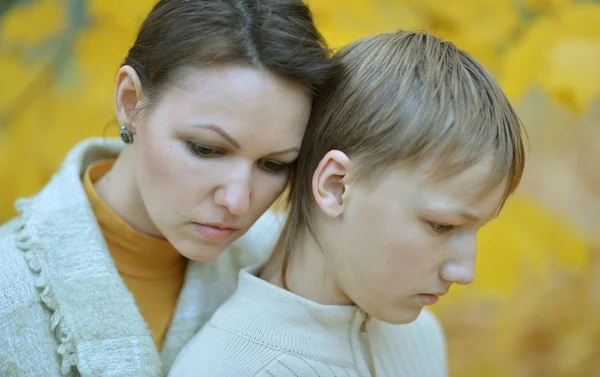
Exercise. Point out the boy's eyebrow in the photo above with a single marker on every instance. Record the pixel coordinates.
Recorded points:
(455, 212)
(469, 216)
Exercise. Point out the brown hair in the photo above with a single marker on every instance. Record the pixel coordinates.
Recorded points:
(277, 35)
(405, 98)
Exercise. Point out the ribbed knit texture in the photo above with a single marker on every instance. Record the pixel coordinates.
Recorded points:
(265, 331)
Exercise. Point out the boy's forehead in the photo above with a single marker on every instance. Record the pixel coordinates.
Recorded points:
(422, 185)
(469, 186)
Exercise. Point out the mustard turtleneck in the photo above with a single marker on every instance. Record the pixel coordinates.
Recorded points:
(151, 267)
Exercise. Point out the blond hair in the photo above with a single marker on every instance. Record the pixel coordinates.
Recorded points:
(406, 98)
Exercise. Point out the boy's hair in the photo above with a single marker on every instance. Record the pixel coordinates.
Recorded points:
(404, 99)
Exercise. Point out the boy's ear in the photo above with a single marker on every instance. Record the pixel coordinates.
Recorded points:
(330, 183)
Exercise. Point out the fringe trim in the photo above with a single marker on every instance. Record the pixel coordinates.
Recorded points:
(66, 342)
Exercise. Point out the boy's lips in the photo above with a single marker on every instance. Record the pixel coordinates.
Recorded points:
(431, 298)
(428, 299)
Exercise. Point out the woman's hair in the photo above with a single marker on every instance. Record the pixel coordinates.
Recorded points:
(276, 35)
(404, 99)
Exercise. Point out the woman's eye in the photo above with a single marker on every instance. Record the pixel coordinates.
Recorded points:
(203, 150)
(440, 228)
(273, 166)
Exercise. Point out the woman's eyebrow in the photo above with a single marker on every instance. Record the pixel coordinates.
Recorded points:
(220, 131)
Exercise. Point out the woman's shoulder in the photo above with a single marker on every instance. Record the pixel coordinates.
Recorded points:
(9, 228)
(17, 281)
(24, 323)
(11, 255)
(258, 242)
(266, 230)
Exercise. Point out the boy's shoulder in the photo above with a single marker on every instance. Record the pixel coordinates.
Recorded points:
(215, 351)
(218, 352)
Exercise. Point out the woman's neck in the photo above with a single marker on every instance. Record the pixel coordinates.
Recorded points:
(308, 273)
(119, 190)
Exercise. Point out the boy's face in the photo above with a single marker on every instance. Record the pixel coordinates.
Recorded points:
(403, 242)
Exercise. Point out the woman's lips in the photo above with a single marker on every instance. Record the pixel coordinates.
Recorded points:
(215, 232)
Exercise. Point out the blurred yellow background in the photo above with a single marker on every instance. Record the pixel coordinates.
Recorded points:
(534, 310)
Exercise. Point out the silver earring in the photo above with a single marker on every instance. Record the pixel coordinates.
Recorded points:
(126, 135)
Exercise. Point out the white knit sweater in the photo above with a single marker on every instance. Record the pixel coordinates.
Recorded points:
(266, 331)
(64, 309)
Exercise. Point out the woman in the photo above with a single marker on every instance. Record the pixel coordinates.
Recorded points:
(410, 151)
(213, 100)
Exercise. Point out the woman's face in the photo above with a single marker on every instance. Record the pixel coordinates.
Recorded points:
(399, 244)
(215, 153)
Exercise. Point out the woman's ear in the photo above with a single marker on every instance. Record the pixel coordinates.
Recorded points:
(330, 183)
(128, 96)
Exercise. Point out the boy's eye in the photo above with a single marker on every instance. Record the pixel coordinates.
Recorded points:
(273, 166)
(203, 150)
(440, 228)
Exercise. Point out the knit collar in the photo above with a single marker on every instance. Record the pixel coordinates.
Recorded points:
(281, 319)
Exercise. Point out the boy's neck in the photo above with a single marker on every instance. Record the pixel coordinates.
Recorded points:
(308, 273)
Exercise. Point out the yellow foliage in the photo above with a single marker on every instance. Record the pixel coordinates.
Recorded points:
(548, 328)
(125, 16)
(559, 52)
(562, 167)
(525, 238)
(572, 74)
(17, 75)
(343, 22)
(30, 24)
(547, 5)
(480, 27)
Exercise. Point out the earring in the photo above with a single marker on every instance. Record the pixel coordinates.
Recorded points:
(126, 135)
